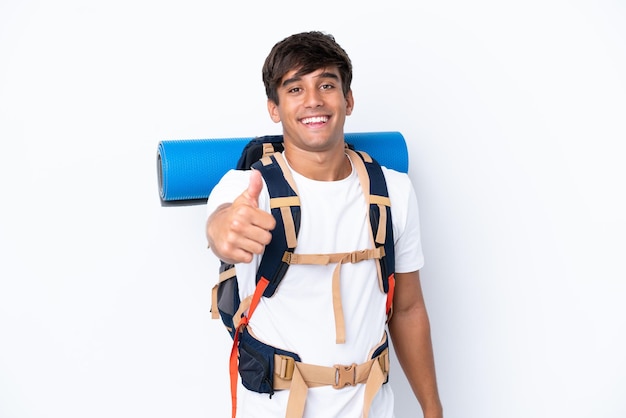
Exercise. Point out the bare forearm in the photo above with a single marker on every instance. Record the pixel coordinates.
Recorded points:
(410, 333)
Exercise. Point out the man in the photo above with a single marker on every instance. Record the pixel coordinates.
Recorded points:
(307, 77)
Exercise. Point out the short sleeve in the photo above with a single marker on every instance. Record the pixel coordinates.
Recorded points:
(406, 226)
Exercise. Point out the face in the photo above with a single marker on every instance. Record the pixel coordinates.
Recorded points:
(312, 110)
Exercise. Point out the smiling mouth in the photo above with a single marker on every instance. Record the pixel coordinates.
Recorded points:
(314, 120)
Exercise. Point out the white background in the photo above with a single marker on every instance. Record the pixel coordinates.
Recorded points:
(514, 114)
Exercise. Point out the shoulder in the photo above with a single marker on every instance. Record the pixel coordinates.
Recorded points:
(233, 179)
(405, 217)
(402, 196)
(398, 184)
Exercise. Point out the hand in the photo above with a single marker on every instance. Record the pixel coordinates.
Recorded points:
(238, 230)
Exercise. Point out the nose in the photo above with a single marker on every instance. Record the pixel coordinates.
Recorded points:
(313, 98)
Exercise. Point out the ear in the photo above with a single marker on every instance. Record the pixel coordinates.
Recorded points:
(349, 103)
(272, 108)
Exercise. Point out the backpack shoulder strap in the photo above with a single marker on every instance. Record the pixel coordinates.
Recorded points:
(375, 190)
(285, 207)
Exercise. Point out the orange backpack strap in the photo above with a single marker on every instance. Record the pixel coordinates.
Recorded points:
(256, 297)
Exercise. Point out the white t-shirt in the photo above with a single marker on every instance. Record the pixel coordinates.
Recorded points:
(299, 317)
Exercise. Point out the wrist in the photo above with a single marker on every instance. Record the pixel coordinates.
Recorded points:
(433, 412)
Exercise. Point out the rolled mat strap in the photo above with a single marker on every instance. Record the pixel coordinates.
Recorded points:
(189, 169)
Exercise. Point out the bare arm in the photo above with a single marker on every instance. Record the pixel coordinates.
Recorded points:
(410, 332)
(235, 231)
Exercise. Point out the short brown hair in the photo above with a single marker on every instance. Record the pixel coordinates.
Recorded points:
(307, 52)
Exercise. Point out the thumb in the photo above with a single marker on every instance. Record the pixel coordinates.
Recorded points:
(254, 188)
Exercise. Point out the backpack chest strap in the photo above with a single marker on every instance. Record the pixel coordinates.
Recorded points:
(339, 259)
(342, 258)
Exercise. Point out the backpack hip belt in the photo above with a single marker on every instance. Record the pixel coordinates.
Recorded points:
(299, 377)
(267, 368)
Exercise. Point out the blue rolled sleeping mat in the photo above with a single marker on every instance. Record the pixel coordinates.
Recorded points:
(188, 169)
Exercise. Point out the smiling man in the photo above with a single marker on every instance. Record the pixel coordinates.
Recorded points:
(317, 344)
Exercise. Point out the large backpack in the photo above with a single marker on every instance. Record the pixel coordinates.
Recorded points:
(254, 359)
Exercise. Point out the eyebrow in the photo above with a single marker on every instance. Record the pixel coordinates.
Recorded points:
(297, 78)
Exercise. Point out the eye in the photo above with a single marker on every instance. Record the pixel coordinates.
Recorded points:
(327, 87)
(294, 90)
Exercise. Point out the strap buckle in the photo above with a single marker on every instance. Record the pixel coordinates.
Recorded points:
(284, 367)
(344, 376)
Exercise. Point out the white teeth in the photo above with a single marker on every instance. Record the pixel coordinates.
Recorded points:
(316, 119)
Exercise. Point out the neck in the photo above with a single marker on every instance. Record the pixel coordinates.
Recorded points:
(330, 165)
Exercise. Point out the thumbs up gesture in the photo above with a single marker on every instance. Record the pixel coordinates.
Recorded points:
(254, 189)
(236, 231)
